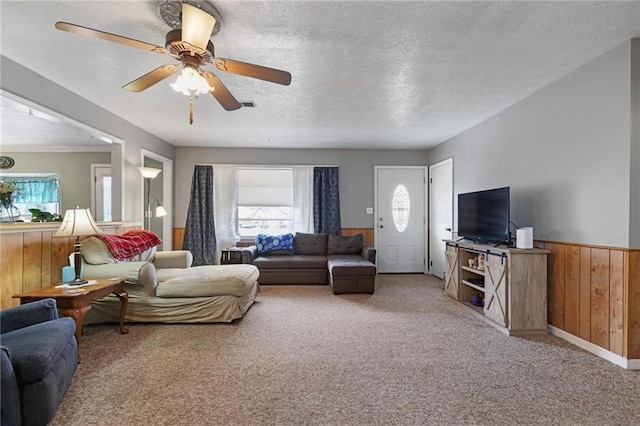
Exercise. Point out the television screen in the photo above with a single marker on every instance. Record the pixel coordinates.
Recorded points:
(483, 216)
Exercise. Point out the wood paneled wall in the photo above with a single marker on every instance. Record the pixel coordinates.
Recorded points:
(594, 294)
(366, 232)
(34, 259)
(178, 236)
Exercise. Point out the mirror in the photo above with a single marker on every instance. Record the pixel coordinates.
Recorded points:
(42, 142)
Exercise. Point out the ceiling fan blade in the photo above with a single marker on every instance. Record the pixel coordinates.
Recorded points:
(90, 32)
(221, 93)
(197, 26)
(255, 71)
(151, 78)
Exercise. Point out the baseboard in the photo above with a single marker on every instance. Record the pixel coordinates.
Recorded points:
(629, 364)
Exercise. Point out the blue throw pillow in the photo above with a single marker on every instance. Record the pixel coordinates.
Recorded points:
(267, 243)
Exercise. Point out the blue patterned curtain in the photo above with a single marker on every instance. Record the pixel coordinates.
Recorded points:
(37, 191)
(200, 232)
(326, 200)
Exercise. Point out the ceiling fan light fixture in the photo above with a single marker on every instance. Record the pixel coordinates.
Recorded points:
(171, 12)
(197, 26)
(190, 82)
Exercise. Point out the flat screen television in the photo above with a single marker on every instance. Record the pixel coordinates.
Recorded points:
(483, 216)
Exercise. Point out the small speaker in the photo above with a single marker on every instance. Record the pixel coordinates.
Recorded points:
(524, 238)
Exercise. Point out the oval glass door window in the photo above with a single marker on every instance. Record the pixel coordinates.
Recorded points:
(400, 208)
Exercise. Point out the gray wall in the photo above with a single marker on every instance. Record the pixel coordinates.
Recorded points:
(564, 151)
(356, 173)
(74, 169)
(28, 85)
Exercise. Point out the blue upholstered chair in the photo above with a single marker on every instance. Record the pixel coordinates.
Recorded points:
(39, 355)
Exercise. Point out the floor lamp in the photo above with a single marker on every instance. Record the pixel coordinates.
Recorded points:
(148, 173)
(160, 211)
(77, 223)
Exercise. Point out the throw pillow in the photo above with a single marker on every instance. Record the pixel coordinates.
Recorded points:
(310, 244)
(96, 252)
(266, 243)
(345, 245)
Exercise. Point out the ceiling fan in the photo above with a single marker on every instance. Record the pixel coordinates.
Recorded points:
(190, 45)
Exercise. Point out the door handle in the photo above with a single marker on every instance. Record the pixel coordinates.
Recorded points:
(381, 226)
(448, 229)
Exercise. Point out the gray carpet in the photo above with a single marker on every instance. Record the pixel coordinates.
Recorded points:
(303, 356)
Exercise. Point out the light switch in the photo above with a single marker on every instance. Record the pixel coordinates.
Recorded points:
(369, 210)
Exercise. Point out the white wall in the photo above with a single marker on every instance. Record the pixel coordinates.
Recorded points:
(28, 85)
(356, 173)
(564, 151)
(634, 152)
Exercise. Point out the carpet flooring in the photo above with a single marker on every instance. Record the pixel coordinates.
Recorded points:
(406, 355)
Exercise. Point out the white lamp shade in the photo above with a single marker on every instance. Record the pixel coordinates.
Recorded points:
(198, 26)
(160, 211)
(77, 222)
(149, 172)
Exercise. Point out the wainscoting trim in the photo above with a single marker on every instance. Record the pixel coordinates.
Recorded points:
(629, 364)
(593, 294)
(31, 257)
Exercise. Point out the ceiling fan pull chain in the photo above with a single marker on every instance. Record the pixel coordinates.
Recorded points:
(191, 110)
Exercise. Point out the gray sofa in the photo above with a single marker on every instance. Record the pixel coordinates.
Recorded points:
(342, 262)
(38, 355)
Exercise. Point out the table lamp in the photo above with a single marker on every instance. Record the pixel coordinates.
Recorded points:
(77, 223)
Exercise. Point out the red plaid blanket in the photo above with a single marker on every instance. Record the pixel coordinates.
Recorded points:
(130, 243)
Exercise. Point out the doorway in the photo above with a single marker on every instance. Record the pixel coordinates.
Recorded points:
(440, 214)
(161, 190)
(399, 229)
(101, 192)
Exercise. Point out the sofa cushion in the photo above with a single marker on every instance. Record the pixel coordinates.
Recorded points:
(292, 262)
(350, 265)
(313, 244)
(34, 349)
(95, 251)
(345, 245)
(210, 280)
(269, 243)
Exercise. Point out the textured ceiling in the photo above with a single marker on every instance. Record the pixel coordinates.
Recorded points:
(28, 128)
(376, 74)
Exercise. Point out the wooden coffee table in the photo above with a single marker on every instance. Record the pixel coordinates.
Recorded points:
(75, 302)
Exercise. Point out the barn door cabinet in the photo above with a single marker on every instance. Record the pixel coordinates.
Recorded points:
(507, 286)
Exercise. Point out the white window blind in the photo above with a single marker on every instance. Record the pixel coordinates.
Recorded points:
(265, 187)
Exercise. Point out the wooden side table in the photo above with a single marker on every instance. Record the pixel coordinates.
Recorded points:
(75, 302)
(231, 257)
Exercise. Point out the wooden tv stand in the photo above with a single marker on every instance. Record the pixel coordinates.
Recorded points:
(513, 284)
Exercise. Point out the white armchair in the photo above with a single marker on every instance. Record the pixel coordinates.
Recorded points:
(164, 287)
(98, 262)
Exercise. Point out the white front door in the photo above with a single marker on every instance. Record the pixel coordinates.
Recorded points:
(440, 214)
(400, 219)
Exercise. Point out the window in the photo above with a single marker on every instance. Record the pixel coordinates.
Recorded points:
(400, 208)
(265, 201)
(36, 192)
